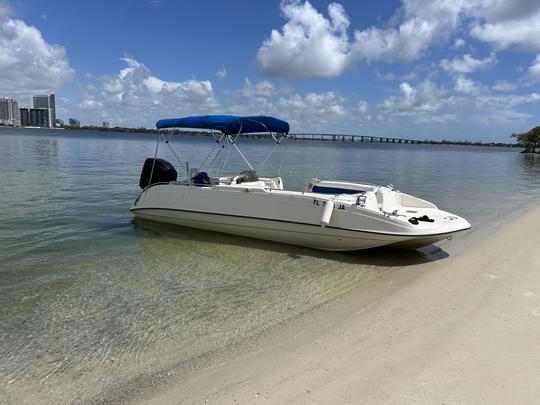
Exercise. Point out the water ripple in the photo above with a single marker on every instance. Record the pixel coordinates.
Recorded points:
(90, 299)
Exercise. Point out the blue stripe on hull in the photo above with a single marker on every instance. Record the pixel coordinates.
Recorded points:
(301, 223)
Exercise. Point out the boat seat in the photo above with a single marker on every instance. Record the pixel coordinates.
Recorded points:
(247, 176)
(250, 184)
(201, 179)
(271, 184)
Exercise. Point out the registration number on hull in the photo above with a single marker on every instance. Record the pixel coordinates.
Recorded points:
(322, 203)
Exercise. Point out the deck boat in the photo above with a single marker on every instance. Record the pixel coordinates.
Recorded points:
(327, 214)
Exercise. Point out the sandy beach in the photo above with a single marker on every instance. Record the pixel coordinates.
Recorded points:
(461, 330)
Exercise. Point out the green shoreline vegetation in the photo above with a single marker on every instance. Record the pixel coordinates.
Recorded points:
(142, 130)
(530, 140)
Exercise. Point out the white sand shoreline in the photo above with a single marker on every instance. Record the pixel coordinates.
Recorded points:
(462, 330)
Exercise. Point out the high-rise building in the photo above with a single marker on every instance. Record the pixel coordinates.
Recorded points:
(9, 112)
(107, 124)
(52, 103)
(25, 117)
(16, 113)
(74, 123)
(35, 117)
(48, 102)
(39, 117)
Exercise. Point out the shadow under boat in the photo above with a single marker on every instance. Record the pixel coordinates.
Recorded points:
(381, 256)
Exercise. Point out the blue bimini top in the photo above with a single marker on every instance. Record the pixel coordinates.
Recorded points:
(228, 124)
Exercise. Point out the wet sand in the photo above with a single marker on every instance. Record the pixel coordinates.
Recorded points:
(461, 330)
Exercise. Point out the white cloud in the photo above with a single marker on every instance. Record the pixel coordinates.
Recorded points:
(501, 108)
(467, 64)
(328, 103)
(411, 99)
(503, 85)
(534, 70)
(391, 76)
(136, 97)
(508, 23)
(313, 45)
(425, 103)
(467, 86)
(458, 43)
(508, 100)
(362, 106)
(310, 44)
(222, 72)
(262, 89)
(90, 104)
(496, 11)
(313, 111)
(525, 34)
(324, 111)
(153, 84)
(419, 25)
(430, 103)
(29, 64)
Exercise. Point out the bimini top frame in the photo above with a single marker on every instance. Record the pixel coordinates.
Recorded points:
(231, 127)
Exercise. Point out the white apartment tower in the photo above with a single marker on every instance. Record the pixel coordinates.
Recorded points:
(46, 101)
(9, 112)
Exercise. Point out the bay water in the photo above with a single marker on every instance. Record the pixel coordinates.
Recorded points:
(92, 301)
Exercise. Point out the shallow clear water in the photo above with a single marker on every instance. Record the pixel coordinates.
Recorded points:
(91, 300)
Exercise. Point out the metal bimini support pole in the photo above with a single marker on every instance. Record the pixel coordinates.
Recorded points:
(283, 137)
(212, 150)
(241, 154)
(267, 156)
(154, 162)
(226, 156)
(273, 137)
(218, 153)
(278, 144)
(236, 147)
(167, 141)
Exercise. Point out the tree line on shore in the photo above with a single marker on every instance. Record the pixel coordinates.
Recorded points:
(530, 140)
(142, 130)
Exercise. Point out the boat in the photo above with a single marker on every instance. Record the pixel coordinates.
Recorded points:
(331, 215)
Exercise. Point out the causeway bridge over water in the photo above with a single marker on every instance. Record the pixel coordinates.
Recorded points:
(351, 138)
(340, 138)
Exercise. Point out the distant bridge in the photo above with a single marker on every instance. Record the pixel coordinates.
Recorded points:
(341, 138)
(352, 138)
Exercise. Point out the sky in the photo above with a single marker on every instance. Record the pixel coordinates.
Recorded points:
(437, 69)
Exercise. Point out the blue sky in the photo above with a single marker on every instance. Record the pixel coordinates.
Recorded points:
(417, 68)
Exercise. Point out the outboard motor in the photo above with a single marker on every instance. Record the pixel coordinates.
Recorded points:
(163, 172)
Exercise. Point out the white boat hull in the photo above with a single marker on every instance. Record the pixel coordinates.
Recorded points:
(288, 217)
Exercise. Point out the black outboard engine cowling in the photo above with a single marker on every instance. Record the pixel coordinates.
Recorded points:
(163, 172)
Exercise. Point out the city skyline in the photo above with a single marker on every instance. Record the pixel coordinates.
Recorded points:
(42, 112)
(466, 70)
